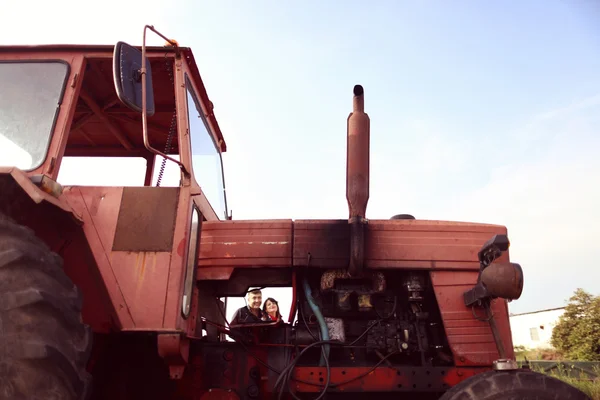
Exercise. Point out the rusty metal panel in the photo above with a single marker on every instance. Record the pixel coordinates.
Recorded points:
(265, 243)
(146, 219)
(143, 279)
(470, 339)
(382, 379)
(327, 241)
(393, 243)
(426, 244)
(389, 244)
(102, 203)
(97, 207)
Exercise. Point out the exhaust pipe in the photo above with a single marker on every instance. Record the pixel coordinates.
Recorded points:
(357, 178)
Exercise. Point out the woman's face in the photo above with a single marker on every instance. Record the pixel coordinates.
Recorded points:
(271, 307)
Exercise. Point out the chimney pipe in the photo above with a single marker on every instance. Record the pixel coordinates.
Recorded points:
(357, 178)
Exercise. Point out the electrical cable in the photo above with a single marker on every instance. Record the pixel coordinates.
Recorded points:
(286, 375)
(266, 364)
(325, 354)
(301, 312)
(337, 384)
(384, 359)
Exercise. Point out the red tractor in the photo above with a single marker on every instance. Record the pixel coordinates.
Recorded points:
(116, 292)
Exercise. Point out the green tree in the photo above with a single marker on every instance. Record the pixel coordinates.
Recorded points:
(577, 333)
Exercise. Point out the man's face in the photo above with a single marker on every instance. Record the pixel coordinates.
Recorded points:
(254, 300)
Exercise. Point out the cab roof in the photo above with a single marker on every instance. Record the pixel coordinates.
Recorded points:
(93, 51)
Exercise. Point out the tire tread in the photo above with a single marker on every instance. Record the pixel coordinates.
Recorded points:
(44, 344)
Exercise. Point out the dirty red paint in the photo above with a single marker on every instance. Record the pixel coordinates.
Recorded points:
(381, 379)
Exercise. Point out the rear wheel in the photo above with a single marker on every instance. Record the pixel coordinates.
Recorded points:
(513, 385)
(44, 345)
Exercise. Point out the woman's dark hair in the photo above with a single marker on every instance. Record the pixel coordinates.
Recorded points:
(272, 300)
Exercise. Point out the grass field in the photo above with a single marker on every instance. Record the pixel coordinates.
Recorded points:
(589, 387)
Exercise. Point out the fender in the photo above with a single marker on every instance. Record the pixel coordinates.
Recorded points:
(55, 222)
(18, 195)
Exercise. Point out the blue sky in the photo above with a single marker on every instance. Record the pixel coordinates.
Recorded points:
(480, 111)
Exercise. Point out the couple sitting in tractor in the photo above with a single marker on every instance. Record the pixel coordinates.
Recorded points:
(252, 313)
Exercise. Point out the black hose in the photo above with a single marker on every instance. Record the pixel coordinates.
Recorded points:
(286, 375)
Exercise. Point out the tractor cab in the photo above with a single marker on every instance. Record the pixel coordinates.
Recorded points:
(74, 114)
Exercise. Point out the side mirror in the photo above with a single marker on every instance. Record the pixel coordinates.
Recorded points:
(127, 62)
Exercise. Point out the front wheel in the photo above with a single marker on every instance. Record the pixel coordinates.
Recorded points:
(44, 345)
(513, 385)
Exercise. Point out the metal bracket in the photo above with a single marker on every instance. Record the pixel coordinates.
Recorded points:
(490, 251)
(175, 350)
(505, 364)
(479, 295)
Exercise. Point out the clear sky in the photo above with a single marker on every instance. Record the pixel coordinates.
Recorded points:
(485, 111)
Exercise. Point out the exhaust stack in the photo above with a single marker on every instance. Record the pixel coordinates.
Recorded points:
(357, 178)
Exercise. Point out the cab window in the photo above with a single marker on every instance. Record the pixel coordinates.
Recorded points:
(206, 156)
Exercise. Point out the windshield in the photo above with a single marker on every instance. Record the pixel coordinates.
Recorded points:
(31, 93)
(206, 158)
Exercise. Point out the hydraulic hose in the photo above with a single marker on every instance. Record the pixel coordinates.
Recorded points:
(320, 319)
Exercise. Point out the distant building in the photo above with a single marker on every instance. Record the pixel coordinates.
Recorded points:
(533, 330)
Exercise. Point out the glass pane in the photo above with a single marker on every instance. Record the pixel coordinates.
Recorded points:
(102, 171)
(31, 93)
(206, 159)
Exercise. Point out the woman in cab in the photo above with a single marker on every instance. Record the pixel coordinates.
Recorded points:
(271, 309)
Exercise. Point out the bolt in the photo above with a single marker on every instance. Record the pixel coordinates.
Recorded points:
(228, 355)
(252, 391)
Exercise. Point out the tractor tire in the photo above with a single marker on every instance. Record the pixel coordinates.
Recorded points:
(513, 385)
(44, 345)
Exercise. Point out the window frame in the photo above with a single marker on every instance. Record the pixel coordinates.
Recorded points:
(59, 106)
(189, 86)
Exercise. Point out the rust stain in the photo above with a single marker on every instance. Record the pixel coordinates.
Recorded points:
(181, 248)
(140, 264)
(143, 265)
(145, 262)
(364, 301)
(153, 264)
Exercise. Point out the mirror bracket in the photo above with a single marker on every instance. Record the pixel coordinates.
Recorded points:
(132, 77)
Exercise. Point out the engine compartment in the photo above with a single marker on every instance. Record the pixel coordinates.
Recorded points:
(384, 331)
(392, 317)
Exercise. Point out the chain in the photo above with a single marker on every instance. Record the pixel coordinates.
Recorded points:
(172, 128)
